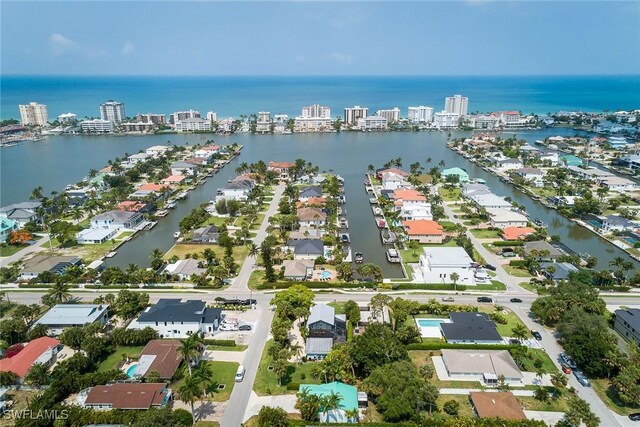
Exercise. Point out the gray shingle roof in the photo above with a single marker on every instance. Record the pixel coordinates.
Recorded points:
(318, 345)
(322, 313)
(631, 316)
(176, 310)
(470, 327)
(307, 247)
(115, 215)
(312, 191)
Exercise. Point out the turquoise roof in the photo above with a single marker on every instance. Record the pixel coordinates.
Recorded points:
(571, 160)
(348, 393)
(464, 176)
(99, 178)
(7, 224)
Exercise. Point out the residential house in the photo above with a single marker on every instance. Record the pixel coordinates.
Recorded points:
(416, 212)
(298, 269)
(570, 160)
(63, 316)
(516, 233)
(40, 263)
(157, 150)
(309, 217)
(627, 324)
(613, 223)
(208, 234)
(506, 165)
(236, 190)
(173, 180)
(348, 401)
(407, 197)
(423, 231)
(185, 269)
(7, 226)
(481, 365)
(397, 171)
(503, 218)
(125, 396)
(21, 213)
(283, 169)
(618, 184)
(557, 271)
(591, 173)
(323, 323)
(490, 201)
(470, 328)
(310, 192)
(306, 248)
(41, 350)
(393, 181)
(531, 174)
(95, 236)
(183, 168)
(161, 356)
(116, 220)
(175, 318)
(471, 190)
(438, 263)
(138, 158)
(149, 189)
(502, 405)
(544, 250)
(462, 174)
(306, 233)
(134, 206)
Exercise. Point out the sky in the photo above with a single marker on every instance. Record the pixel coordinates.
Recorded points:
(475, 37)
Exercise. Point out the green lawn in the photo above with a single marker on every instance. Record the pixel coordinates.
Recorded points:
(558, 404)
(266, 382)
(227, 348)
(339, 306)
(510, 316)
(219, 220)
(224, 373)
(609, 397)
(515, 271)
(182, 249)
(536, 353)
(463, 400)
(116, 358)
(449, 195)
(484, 233)
(9, 250)
(256, 278)
(493, 286)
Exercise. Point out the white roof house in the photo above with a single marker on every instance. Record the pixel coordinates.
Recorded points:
(615, 183)
(438, 263)
(416, 212)
(393, 181)
(94, 236)
(490, 201)
(502, 218)
(69, 315)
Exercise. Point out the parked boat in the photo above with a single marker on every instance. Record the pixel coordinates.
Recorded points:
(377, 211)
(110, 254)
(182, 195)
(344, 223)
(170, 205)
(358, 257)
(539, 223)
(373, 201)
(162, 213)
(344, 237)
(381, 223)
(388, 237)
(393, 256)
(176, 235)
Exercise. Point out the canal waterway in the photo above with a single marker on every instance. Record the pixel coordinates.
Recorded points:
(61, 160)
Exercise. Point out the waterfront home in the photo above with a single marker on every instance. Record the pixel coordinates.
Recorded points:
(175, 318)
(306, 233)
(552, 157)
(41, 350)
(21, 213)
(416, 212)
(627, 324)
(557, 271)
(470, 190)
(423, 231)
(63, 316)
(7, 226)
(197, 161)
(185, 269)
(173, 180)
(438, 263)
(192, 125)
(613, 223)
(183, 168)
(393, 181)
(562, 200)
(306, 248)
(207, 152)
(503, 218)
(116, 220)
(506, 165)
(308, 217)
(484, 366)
(490, 201)
(312, 201)
(157, 150)
(570, 160)
(95, 236)
(531, 174)
(133, 206)
(348, 401)
(161, 356)
(125, 396)
(502, 405)
(632, 162)
(407, 197)
(236, 190)
(516, 233)
(149, 189)
(138, 158)
(591, 173)
(307, 193)
(618, 184)
(470, 328)
(462, 174)
(208, 234)
(397, 171)
(543, 250)
(283, 169)
(40, 263)
(298, 269)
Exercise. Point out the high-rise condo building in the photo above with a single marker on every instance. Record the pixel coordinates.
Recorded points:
(156, 119)
(456, 104)
(34, 114)
(351, 115)
(212, 116)
(392, 115)
(420, 114)
(316, 111)
(113, 111)
(183, 115)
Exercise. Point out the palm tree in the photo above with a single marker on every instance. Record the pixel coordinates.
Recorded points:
(188, 350)
(519, 331)
(454, 278)
(352, 414)
(156, 254)
(77, 214)
(190, 391)
(330, 402)
(59, 293)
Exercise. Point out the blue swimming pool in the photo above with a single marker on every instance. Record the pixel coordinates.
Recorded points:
(131, 370)
(430, 323)
(325, 275)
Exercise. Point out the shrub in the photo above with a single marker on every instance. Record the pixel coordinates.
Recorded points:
(451, 407)
(514, 243)
(221, 343)
(442, 345)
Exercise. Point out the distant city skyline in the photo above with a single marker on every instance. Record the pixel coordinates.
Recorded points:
(466, 38)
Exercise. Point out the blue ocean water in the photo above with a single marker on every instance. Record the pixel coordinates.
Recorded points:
(232, 96)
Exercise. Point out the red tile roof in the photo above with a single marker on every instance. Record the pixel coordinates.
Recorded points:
(22, 362)
(513, 233)
(281, 165)
(130, 205)
(422, 227)
(497, 405)
(152, 187)
(174, 178)
(167, 357)
(127, 395)
(409, 194)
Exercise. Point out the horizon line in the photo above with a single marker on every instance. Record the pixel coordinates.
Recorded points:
(317, 75)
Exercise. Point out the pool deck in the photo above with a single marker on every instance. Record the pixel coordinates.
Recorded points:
(431, 331)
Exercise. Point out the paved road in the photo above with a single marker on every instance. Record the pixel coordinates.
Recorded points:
(36, 247)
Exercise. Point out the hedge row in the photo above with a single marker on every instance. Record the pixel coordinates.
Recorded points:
(428, 286)
(221, 343)
(41, 285)
(514, 243)
(108, 286)
(314, 285)
(444, 345)
(518, 263)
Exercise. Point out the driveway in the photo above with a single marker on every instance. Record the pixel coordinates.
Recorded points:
(285, 401)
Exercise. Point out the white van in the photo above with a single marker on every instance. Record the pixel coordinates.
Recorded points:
(240, 373)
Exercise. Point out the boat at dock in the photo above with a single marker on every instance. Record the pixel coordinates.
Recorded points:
(381, 223)
(342, 199)
(373, 201)
(176, 235)
(393, 256)
(358, 257)
(149, 225)
(110, 254)
(344, 238)
(369, 189)
(162, 213)
(182, 195)
(377, 211)
(343, 223)
(388, 237)
(170, 205)
(539, 223)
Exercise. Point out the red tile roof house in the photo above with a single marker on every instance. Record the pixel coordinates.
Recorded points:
(282, 168)
(424, 231)
(517, 233)
(131, 206)
(125, 395)
(40, 350)
(161, 356)
(397, 171)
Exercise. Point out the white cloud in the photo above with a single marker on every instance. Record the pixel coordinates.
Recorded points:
(128, 48)
(345, 58)
(60, 45)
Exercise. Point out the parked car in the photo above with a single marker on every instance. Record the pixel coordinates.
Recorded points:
(635, 416)
(582, 379)
(490, 267)
(536, 335)
(515, 300)
(228, 327)
(509, 254)
(566, 369)
(514, 341)
(485, 299)
(245, 327)
(564, 358)
(240, 373)
(448, 299)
